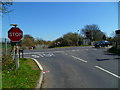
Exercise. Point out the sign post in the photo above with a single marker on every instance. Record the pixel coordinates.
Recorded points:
(17, 56)
(15, 35)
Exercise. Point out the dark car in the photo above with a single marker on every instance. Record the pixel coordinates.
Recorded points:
(102, 44)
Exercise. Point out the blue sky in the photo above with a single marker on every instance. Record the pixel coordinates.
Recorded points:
(50, 20)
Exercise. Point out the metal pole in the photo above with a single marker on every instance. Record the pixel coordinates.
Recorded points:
(17, 56)
(77, 38)
(92, 37)
(14, 52)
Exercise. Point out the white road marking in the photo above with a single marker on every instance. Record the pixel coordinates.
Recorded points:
(45, 52)
(58, 51)
(48, 55)
(108, 72)
(41, 55)
(32, 55)
(35, 56)
(73, 50)
(80, 59)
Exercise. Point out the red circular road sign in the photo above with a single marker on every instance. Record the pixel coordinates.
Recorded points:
(15, 34)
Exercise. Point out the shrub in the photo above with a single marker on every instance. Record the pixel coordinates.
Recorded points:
(7, 63)
(115, 50)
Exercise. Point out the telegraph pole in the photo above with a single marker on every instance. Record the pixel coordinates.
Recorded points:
(78, 38)
(92, 37)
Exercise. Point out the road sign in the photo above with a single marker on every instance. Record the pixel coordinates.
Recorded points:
(15, 34)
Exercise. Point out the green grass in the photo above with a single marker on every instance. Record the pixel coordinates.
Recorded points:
(24, 77)
(0, 80)
(3, 46)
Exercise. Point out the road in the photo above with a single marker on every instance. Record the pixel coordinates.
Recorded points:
(78, 67)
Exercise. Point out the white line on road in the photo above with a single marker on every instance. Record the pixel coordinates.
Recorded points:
(80, 59)
(45, 52)
(41, 55)
(75, 50)
(35, 56)
(108, 72)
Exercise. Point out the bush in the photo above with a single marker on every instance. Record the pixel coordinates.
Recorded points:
(115, 50)
(7, 63)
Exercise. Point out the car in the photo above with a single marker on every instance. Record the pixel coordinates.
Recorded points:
(102, 44)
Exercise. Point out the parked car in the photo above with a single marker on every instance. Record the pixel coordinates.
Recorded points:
(102, 44)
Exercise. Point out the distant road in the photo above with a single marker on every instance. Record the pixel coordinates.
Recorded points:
(77, 67)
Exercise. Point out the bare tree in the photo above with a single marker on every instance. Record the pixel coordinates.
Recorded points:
(93, 32)
(4, 5)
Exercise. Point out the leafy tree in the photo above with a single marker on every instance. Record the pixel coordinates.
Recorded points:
(28, 41)
(40, 41)
(61, 42)
(104, 37)
(95, 34)
(71, 39)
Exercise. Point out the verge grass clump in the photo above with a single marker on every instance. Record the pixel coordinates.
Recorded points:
(24, 77)
(7, 63)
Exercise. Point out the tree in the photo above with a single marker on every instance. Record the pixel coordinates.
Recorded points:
(40, 41)
(4, 6)
(71, 39)
(104, 37)
(28, 41)
(94, 32)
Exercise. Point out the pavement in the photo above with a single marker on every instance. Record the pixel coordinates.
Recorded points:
(78, 67)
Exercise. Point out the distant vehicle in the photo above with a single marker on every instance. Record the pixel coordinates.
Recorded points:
(102, 44)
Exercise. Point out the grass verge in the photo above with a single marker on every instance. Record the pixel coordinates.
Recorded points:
(25, 77)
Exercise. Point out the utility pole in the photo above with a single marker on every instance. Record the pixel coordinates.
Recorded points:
(91, 37)
(17, 56)
(78, 38)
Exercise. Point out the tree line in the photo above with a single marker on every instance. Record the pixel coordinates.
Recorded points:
(90, 32)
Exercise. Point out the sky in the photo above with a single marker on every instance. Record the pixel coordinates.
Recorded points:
(62, 0)
(51, 20)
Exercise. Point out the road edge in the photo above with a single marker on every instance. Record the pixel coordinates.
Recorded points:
(39, 82)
